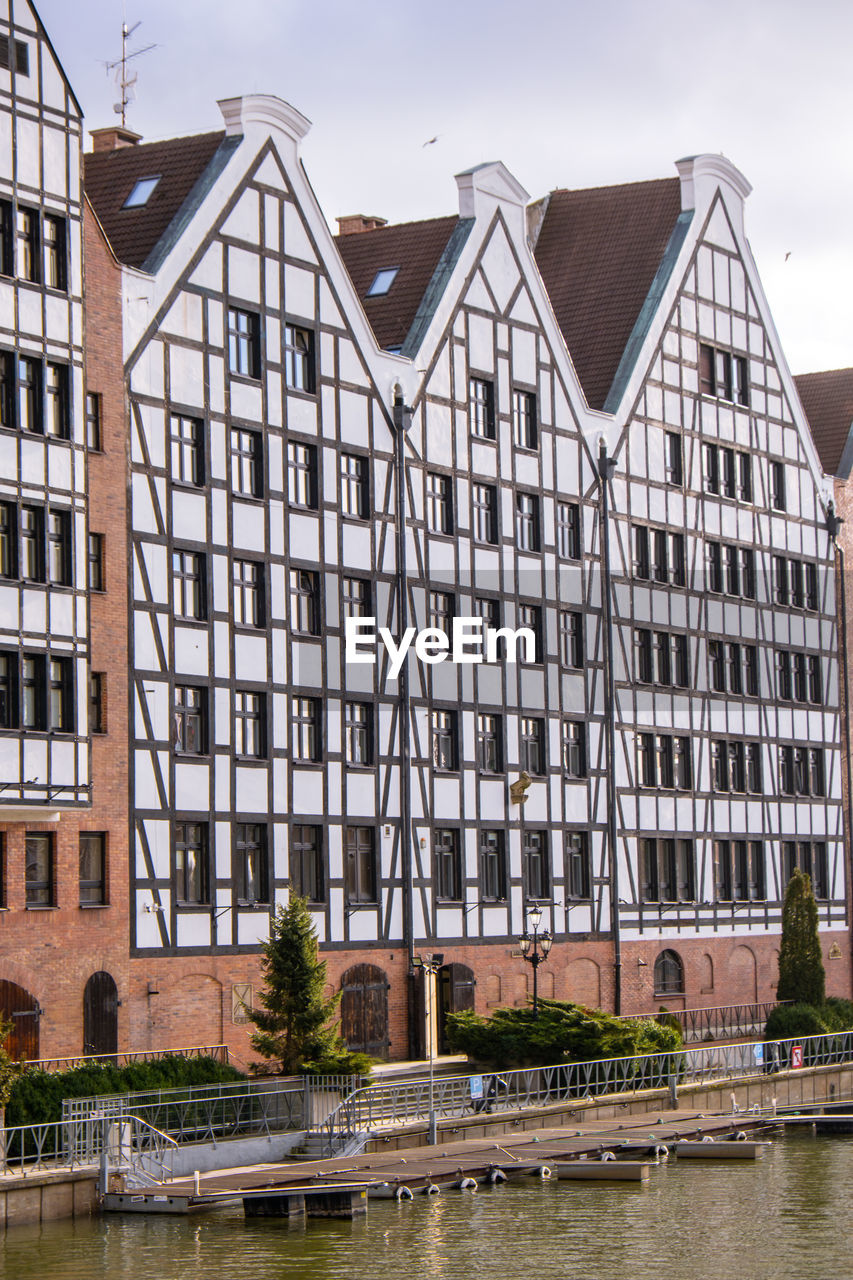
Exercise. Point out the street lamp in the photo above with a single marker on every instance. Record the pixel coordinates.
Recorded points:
(430, 966)
(534, 950)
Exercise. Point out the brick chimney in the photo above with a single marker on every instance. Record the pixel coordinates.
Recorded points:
(113, 138)
(354, 223)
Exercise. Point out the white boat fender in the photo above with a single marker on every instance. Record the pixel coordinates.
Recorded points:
(607, 1155)
(466, 1184)
(740, 1136)
(495, 1176)
(661, 1151)
(544, 1171)
(707, 1138)
(403, 1193)
(432, 1190)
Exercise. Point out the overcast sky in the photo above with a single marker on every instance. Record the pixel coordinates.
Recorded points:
(566, 94)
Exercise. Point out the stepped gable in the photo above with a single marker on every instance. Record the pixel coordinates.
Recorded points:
(598, 251)
(416, 249)
(110, 176)
(828, 401)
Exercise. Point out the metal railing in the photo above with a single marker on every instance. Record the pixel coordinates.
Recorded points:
(219, 1053)
(719, 1022)
(386, 1105)
(127, 1141)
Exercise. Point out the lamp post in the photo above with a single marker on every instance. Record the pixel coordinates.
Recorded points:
(430, 966)
(535, 950)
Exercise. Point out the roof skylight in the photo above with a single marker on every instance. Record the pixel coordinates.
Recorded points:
(382, 282)
(141, 193)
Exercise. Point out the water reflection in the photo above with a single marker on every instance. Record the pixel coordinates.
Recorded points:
(784, 1218)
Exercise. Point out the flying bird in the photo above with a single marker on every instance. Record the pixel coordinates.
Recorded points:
(787, 255)
(430, 141)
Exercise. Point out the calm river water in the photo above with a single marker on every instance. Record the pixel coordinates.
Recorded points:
(786, 1217)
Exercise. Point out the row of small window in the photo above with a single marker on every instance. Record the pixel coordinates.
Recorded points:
(35, 544)
(40, 870)
(36, 692)
(726, 472)
(35, 395)
(308, 864)
(485, 524)
(33, 246)
(662, 659)
(245, 351)
(668, 873)
(483, 414)
(665, 761)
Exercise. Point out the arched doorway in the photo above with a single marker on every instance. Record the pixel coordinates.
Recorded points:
(364, 1009)
(456, 984)
(23, 1011)
(100, 1015)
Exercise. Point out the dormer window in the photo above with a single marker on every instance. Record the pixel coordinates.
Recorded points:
(382, 282)
(141, 193)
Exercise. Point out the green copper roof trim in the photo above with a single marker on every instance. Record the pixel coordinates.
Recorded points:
(648, 311)
(181, 220)
(436, 287)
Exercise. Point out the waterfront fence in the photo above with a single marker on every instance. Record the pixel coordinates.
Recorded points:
(718, 1022)
(219, 1053)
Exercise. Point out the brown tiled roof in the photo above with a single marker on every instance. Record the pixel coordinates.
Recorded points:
(828, 401)
(414, 247)
(598, 251)
(111, 175)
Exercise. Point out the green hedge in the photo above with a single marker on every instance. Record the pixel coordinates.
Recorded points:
(562, 1032)
(37, 1095)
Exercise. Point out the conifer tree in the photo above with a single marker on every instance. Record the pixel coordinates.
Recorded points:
(296, 1023)
(802, 977)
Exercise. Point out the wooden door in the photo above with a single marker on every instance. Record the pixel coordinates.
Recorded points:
(456, 984)
(100, 1015)
(22, 1010)
(364, 1010)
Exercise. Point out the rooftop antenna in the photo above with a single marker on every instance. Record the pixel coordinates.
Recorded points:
(125, 79)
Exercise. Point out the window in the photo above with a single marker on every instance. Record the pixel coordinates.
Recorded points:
(298, 359)
(738, 870)
(53, 243)
(358, 733)
(93, 869)
(188, 586)
(481, 408)
(448, 867)
(730, 569)
(141, 192)
(27, 245)
(532, 745)
(302, 474)
(60, 695)
(442, 610)
(723, 375)
(189, 732)
(527, 521)
(492, 867)
(305, 729)
(484, 498)
(356, 597)
(29, 394)
(662, 658)
(712, 468)
(524, 425)
(247, 468)
(666, 869)
(7, 265)
(186, 450)
(251, 863)
(577, 865)
(812, 601)
(97, 702)
(673, 458)
(574, 748)
(529, 617)
(8, 690)
(8, 540)
(57, 417)
(669, 974)
(571, 639)
(744, 477)
(94, 422)
(811, 859)
(244, 343)
(801, 771)
(247, 583)
(642, 561)
(444, 740)
(382, 282)
(191, 864)
(665, 761)
(249, 723)
(490, 742)
(354, 496)
(360, 868)
(33, 691)
(777, 486)
(306, 862)
(7, 389)
(59, 547)
(15, 55)
(97, 578)
(714, 566)
(659, 555)
(798, 677)
(534, 856)
(439, 498)
(39, 871)
(305, 602)
(569, 546)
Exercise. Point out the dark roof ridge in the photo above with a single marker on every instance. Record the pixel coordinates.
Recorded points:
(159, 142)
(612, 186)
(396, 226)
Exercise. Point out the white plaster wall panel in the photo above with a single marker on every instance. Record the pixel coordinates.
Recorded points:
(222, 783)
(30, 318)
(208, 273)
(190, 651)
(480, 344)
(186, 376)
(303, 535)
(522, 309)
(61, 616)
(353, 418)
(350, 367)
(189, 515)
(246, 401)
(308, 792)
(146, 789)
(219, 517)
(192, 929)
(250, 787)
(154, 558)
(184, 317)
(57, 314)
(279, 657)
(244, 275)
(250, 657)
(192, 786)
(146, 375)
(221, 651)
(296, 241)
(357, 547)
(243, 222)
(34, 612)
(247, 521)
(27, 153)
(144, 646)
(478, 295)
(299, 292)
